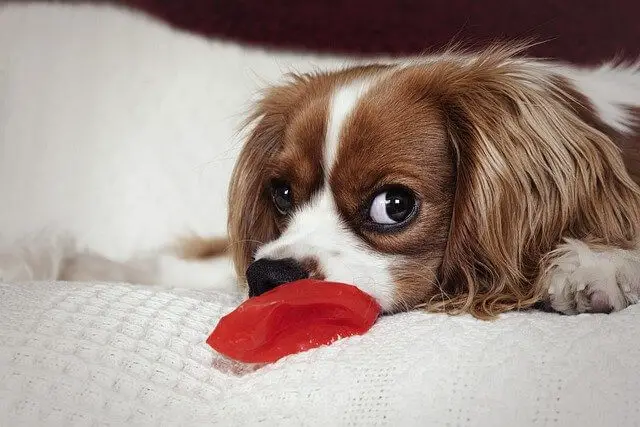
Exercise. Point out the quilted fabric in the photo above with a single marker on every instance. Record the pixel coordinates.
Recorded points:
(108, 354)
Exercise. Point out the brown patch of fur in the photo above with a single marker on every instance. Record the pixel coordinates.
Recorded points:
(312, 266)
(202, 248)
(416, 279)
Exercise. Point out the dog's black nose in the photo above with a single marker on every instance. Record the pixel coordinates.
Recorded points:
(265, 274)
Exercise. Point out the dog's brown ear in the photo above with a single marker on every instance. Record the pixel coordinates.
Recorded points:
(529, 172)
(250, 220)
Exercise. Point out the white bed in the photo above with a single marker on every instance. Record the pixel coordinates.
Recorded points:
(107, 354)
(118, 131)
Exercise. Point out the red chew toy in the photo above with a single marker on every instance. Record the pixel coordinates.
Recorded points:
(291, 318)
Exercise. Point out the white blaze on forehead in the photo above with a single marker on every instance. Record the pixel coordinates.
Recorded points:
(344, 101)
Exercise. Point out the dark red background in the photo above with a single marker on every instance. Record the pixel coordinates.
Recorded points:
(578, 30)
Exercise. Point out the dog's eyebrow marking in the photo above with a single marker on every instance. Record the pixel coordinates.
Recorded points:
(343, 102)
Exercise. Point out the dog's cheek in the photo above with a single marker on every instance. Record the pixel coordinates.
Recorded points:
(415, 280)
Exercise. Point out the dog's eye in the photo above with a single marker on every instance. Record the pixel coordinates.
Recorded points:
(392, 206)
(282, 197)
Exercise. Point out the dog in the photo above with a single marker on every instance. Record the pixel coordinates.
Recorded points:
(459, 183)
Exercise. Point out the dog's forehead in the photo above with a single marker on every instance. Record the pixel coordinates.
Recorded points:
(381, 131)
(312, 135)
(361, 131)
(322, 104)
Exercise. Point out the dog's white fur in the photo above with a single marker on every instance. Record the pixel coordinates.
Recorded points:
(45, 256)
(585, 279)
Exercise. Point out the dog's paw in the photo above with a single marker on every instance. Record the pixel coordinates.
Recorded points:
(583, 280)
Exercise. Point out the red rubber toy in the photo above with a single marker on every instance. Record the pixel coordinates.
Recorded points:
(291, 318)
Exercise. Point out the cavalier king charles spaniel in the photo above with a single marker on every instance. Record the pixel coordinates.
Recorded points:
(459, 183)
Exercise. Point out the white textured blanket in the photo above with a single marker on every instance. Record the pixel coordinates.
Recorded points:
(106, 354)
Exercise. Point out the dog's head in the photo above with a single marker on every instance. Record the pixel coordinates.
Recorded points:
(442, 182)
